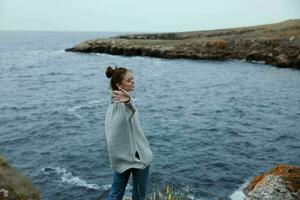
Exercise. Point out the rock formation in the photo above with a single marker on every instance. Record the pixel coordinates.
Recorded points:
(275, 44)
(280, 183)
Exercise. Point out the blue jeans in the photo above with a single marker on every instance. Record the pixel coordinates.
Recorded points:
(139, 182)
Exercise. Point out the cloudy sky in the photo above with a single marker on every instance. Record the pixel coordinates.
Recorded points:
(142, 15)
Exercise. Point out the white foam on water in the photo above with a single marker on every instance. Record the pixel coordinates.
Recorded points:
(258, 61)
(189, 192)
(239, 194)
(59, 51)
(73, 111)
(90, 104)
(68, 177)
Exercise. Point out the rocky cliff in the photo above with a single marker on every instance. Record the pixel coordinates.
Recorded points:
(275, 44)
(280, 183)
(15, 186)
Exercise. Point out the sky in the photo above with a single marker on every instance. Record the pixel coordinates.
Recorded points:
(142, 15)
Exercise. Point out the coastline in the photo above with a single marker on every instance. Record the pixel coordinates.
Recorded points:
(276, 44)
(281, 183)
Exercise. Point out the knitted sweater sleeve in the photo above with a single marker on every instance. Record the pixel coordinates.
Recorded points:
(129, 105)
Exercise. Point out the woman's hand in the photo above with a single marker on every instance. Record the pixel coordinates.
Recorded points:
(120, 95)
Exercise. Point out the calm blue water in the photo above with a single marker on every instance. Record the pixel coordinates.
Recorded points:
(211, 125)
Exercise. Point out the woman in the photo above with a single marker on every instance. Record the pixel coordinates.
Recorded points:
(128, 148)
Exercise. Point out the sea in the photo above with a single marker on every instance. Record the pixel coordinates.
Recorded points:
(211, 125)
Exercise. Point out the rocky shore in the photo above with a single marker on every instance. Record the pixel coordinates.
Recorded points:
(15, 186)
(276, 44)
(280, 183)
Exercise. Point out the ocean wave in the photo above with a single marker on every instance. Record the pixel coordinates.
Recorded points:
(219, 165)
(56, 73)
(18, 107)
(25, 75)
(282, 138)
(68, 177)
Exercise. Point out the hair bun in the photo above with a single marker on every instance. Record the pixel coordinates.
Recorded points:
(110, 71)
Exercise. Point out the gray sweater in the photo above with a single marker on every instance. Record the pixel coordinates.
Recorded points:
(127, 145)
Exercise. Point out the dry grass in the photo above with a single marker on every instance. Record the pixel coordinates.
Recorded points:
(14, 185)
(285, 29)
(167, 193)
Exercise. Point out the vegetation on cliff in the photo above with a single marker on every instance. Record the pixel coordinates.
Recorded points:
(15, 186)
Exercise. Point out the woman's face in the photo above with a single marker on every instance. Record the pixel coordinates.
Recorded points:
(127, 82)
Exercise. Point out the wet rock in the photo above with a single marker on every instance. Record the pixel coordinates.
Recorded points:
(283, 61)
(253, 55)
(297, 62)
